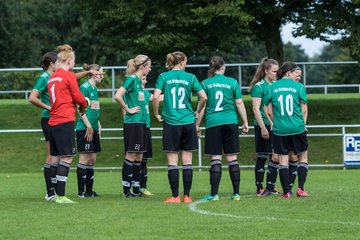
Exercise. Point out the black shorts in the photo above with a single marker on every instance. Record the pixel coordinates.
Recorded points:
(148, 153)
(62, 139)
(45, 128)
(284, 144)
(224, 137)
(179, 137)
(262, 145)
(135, 137)
(83, 146)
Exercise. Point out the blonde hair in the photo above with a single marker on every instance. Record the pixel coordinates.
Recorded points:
(265, 64)
(134, 63)
(64, 53)
(174, 58)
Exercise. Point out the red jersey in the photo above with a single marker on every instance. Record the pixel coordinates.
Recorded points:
(64, 93)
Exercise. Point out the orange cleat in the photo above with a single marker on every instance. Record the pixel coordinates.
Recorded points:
(187, 199)
(172, 199)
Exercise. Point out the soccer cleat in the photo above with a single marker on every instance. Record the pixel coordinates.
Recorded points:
(132, 195)
(63, 200)
(275, 191)
(286, 195)
(235, 197)
(145, 192)
(172, 199)
(81, 195)
(301, 193)
(50, 197)
(187, 199)
(265, 193)
(90, 195)
(211, 198)
(259, 191)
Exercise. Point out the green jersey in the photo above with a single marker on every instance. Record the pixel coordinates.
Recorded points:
(220, 107)
(41, 87)
(147, 102)
(134, 97)
(177, 86)
(286, 95)
(93, 110)
(259, 91)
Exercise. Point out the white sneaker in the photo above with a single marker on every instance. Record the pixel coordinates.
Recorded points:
(50, 198)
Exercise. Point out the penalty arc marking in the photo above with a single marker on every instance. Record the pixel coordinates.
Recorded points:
(194, 208)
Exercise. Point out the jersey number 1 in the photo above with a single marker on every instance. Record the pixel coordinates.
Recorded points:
(53, 93)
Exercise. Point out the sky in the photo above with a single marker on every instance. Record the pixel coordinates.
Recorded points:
(310, 46)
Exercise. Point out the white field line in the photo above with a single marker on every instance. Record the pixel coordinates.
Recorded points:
(194, 208)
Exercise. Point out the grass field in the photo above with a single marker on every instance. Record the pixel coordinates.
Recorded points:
(331, 212)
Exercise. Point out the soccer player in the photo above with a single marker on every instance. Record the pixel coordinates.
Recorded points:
(88, 132)
(287, 107)
(179, 133)
(40, 90)
(222, 131)
(134, 122)
(64, 93)
(263, 78)
(293, 159)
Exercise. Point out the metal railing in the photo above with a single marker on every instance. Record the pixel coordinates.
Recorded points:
(239, 67)
(343, 130)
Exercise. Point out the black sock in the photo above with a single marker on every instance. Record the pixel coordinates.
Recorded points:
(136, 177)
(173, 175)
(61, 177)
(81, 177)
(284, 178)
(234, 171)
(293, 168)
(302, 174)
(47, 175)
(187, 178)
(260, 170)
(215, 176)
(89, 178)
(53, 170)
(127, 171)
(143, 179)
(271, 175)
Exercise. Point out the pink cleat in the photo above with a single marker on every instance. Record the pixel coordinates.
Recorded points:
(301, 193)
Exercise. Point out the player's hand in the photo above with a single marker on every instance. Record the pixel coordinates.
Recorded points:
(198, 131)
(81, 110)
(99, 132)
(89, 134)
(88, 101)
(134, 110)
(245, 128)
(159, 118)
(264, 133)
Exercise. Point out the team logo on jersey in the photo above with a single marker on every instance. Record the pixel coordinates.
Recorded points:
(141, 96)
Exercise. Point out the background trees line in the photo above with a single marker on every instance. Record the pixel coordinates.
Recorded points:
(111, 32)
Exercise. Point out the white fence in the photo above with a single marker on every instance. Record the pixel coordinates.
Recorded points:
(342, 130)
(239, 66)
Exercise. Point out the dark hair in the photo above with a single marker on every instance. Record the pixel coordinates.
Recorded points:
(174, 58)
(265, 64)
(49, 57)
(286, 67)
(216, 63)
